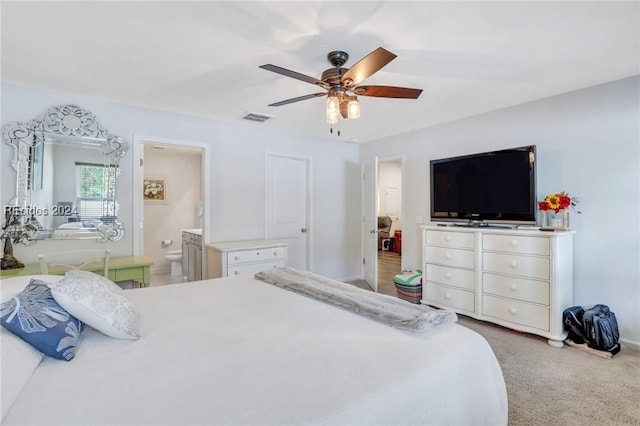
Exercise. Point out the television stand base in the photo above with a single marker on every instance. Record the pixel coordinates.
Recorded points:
(486, 225)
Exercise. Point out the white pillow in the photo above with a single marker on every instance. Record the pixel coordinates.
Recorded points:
(98, 302)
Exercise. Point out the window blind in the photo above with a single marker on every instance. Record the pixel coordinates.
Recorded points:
(90, 190)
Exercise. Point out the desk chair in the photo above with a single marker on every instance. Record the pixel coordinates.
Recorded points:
(91, 260)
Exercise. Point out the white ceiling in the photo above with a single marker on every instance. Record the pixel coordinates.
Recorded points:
(201, 58)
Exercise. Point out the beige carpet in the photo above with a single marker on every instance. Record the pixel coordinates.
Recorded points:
(551, 386)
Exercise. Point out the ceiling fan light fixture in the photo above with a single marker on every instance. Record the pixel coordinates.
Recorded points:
(332, 118)
(353, 107)
(333, 108)
(342, 84)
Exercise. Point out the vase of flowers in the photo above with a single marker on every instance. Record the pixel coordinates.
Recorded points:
(554, 211)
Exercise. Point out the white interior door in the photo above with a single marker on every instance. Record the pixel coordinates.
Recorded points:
(287, 205)
(370, 222)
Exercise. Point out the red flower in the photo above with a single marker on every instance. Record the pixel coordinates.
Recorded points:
(565, 201)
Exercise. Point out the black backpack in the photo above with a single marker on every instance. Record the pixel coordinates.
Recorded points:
(573, 319)
(597, 326)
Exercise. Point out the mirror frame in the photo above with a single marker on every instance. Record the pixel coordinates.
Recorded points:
(69, 124)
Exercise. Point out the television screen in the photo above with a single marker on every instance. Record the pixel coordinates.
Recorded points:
(490, 187)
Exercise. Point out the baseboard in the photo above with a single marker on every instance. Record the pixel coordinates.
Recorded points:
(630, 344)
(164, 269)
(354, 278)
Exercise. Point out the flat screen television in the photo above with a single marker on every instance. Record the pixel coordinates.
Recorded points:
(497, 187)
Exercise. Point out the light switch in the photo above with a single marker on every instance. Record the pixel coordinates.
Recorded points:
(419, 219)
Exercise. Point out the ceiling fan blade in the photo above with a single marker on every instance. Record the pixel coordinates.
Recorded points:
(367, 66)
(293, 74)
(387, 92)
(299, 98)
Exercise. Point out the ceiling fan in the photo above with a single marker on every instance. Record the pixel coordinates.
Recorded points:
(341, 84)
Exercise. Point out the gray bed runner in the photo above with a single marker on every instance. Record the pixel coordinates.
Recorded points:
(386, 309)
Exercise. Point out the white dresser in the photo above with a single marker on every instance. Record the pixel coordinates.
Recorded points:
(521, 279)
(245, 257)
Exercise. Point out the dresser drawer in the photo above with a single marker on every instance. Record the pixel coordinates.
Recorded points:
(462, 278)
(451, 239)
(522, 313)
(451, 297)
(516, 244)
(522, 266)
(256, 255)
(516, 288)
(450, 257)
(252, 268)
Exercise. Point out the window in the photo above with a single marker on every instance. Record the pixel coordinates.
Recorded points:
(94, 191)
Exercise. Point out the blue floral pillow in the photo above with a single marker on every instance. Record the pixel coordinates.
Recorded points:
(35, 317)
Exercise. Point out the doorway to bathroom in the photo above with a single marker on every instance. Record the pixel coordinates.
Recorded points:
(171, 201)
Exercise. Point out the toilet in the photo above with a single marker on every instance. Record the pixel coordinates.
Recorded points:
(175, 257)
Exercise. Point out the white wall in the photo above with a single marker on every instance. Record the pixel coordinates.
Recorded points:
(588, 143)
(236, 152)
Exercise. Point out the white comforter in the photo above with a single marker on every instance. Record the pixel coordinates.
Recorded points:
(239, 351)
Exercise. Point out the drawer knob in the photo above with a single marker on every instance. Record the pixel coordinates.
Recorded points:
(513, 287)
(447, 296)
(236, 258)
(236, 272)
(275, 253)
(512, 311)
(447, 256)
(448, 275)
(514, 243)
(447, 238)
(513, 264)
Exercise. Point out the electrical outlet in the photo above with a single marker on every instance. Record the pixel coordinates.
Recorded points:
(419, 219)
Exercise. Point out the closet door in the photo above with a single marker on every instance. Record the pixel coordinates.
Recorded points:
(287, 205)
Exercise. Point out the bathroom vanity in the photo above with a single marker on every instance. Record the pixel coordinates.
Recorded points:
(192, 254)
(245, 257)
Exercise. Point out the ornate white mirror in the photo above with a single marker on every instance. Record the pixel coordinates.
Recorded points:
(66, 167)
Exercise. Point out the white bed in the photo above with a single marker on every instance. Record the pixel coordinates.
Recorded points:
(241, 351)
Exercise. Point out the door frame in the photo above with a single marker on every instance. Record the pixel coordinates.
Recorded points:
(309, 198)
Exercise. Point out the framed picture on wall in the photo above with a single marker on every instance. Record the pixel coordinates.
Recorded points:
(155, 190)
